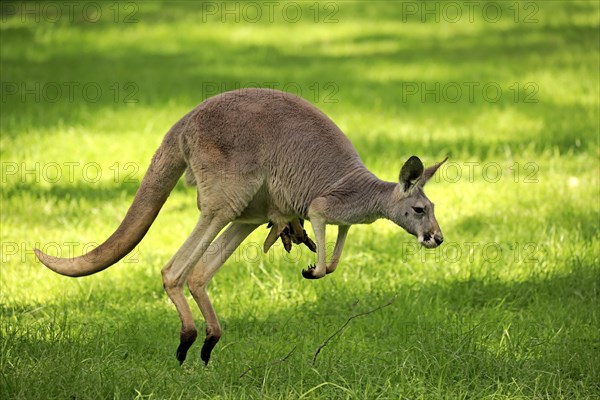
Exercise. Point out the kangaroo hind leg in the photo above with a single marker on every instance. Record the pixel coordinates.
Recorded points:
(203, 272)
(177, 270)
(219, 207)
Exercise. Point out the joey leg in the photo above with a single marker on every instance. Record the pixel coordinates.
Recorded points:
(275, 232)
(293, 233)
(299, 235)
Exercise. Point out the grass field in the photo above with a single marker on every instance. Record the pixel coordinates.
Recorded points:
(506, 308)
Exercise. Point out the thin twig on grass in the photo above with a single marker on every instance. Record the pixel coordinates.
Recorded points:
(341, 328)
(269, 363)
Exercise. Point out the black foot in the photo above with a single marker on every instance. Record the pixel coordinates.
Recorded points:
(310, 272)
(207, 348)
(182, 352)
(186, 339)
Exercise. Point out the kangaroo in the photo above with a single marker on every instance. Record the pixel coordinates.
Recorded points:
(257, 155)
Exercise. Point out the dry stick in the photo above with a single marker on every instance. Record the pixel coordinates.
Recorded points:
(346, 323)
(269, 364)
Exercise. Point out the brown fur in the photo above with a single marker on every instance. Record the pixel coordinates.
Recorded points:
(257, 155)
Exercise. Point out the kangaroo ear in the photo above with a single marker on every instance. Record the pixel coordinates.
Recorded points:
(430, 171)
(411, 172)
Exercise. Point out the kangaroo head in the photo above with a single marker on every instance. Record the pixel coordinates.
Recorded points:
(410, 208)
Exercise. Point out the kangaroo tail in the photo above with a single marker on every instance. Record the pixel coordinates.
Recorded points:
(166, 167)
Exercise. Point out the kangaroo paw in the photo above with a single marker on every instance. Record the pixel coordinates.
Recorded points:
(186, 339)
(181, 353)
(310, 273)
(207, 348)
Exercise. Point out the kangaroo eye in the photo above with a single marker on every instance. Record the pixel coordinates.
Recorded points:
(419, 210)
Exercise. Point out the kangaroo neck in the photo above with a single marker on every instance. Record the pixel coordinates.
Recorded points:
(361, 197)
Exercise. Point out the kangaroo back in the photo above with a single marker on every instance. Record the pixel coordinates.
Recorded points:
(272, 136)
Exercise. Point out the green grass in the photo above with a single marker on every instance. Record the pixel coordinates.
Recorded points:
(506, 308)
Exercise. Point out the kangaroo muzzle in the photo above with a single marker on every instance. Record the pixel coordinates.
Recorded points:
(431, 239)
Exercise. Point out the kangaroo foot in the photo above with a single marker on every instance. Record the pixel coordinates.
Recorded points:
(207, 348)
(186, 339)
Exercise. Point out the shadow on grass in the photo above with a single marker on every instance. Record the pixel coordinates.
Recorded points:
(188, 76)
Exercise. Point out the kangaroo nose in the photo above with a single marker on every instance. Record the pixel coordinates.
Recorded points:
(438, 239)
